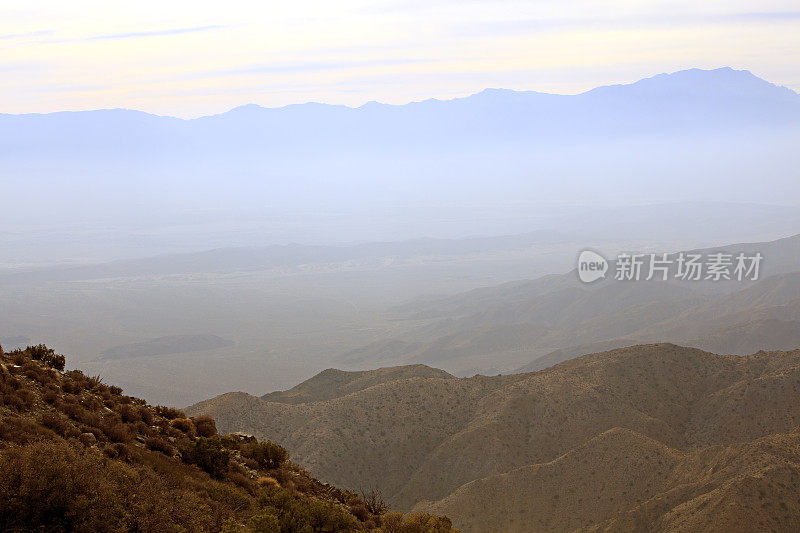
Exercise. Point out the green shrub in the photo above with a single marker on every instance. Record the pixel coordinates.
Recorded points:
(207, 454)
(266, 454)
(264, 522)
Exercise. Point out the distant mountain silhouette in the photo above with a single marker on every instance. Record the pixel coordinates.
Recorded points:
(616, 143)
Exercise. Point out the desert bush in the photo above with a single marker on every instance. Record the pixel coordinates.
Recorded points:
(27, 397)
(50, 396)
(12, 401)
(241, 479)
(159, 444)
(51, 486)
(264, 522)
(129, 414)
(267, 454)
(72, 384)
(206, 427)
(185, 426)
(360, 512)
(37, 373)
(42, 353)
(90, 418)
(373, 501)
(146, 415)
(17, 430)
(56, 422)
(416, 523)
(207, 454)
(325, 516)
(115, 430)
(170, 413)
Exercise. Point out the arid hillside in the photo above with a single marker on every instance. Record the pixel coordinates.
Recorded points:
(651, 437)
(334, 383)
(77, 455)
(526, 326)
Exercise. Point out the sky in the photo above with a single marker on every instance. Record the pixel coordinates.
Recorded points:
(193, 58)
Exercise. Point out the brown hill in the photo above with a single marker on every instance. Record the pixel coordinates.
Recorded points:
(513, 441)
(78, 455)
(529, 325)
(622, 481)
(334, 383)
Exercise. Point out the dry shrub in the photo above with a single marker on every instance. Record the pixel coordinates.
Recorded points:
(242, 480)
(72, 410)
(56, 422)
(170, 413)
(90, 418)
(87, 439)
(208, 454)
(360, 511)
(50, 396)
(129, 414)
(185, 426)
(46, 355)
(17, 430)
(115, 430)
(206, 427)
(159, 444)
(146, 415)
(268, 481)
(55, 487)
(27, 397)
(416, 523)
(267, 454)
(373, 500)
(37, 373)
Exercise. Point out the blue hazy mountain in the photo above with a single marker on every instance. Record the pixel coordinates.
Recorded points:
(711, 135)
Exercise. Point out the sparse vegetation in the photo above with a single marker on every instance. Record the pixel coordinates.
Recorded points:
(77, 455)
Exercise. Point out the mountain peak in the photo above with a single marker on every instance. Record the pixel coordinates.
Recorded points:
(722, 81)
(246, 108)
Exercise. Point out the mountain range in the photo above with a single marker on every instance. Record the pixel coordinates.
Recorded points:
(672, 137)
(646, 438)
(532, 324)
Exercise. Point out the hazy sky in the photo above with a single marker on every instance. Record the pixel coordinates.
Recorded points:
(188, 58)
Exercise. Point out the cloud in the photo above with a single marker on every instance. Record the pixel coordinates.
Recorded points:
(27, 34)
(311, 67)
(781, 15)
(549, 25)
(155, 33)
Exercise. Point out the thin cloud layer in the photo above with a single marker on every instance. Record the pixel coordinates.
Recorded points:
(351, 52)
